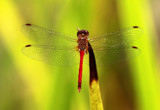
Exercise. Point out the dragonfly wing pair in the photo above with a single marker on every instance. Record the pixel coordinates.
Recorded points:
(117, 46)
(60, 49)
(50, 47)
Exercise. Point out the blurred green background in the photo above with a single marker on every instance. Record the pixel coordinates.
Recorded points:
(26, 84)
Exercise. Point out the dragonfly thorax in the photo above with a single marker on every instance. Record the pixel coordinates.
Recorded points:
(82, 40)
(83, 44)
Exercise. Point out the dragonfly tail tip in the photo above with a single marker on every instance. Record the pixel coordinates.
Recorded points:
(79, 89)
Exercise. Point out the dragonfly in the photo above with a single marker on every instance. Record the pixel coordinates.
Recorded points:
(64, 50)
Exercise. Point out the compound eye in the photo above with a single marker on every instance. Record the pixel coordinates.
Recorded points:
(87, 33)
(79, 33)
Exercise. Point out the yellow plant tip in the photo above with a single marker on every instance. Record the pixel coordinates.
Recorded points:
(95, 96)
(93, 81)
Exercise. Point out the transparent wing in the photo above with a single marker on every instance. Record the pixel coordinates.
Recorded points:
(44, 36)
(117, 39)
(54, 55)
(114, 55)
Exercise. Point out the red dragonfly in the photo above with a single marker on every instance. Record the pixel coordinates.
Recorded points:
(60, 49)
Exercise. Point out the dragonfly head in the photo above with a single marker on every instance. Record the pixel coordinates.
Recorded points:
(82, 33)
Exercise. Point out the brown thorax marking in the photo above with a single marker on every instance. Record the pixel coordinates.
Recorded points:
(82, 40)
